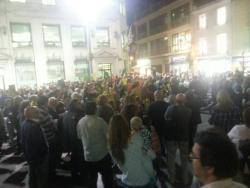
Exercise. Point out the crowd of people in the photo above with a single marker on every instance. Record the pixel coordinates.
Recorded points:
(129, 125)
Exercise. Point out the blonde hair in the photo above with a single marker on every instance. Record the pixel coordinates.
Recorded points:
(136, 123)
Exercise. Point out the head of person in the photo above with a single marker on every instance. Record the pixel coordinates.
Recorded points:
(31, 113)
(130, 111)
(52, 102)
(224, 100)
(90, 108)
(102, 100)
(180, 99)
(75, 106)
(60, 107)
(158, 96)
(118, 137)
(76, 96)
(42, 101)
(246, 116)
(214, 157)
(136, 124)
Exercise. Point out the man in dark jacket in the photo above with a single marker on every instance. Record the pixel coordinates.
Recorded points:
(194, 103)
(70, 140)
(35, 149)
(177, 121)
(156, 113)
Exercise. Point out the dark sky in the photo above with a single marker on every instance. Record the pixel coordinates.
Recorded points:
(134, 6)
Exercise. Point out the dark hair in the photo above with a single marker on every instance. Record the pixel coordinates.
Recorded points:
(217, 151)
(41, 101)
(118, 136)
(246, 116)
(90, 108)
(73, 105)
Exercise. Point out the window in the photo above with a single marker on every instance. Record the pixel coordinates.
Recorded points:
(221, 16)
(158, 24)
(143, 50)
(55, 71)
(81, 70)
(78, 35)
(180, 15)
(25, 73)
(21, 35)
(49, 2)
(52, 36)
(159, 46)
(20, 1)
(202, 21)
(222, 43)
(202, 46)
(141, 31)
(181, 42)
(102, 37)
(104, 70)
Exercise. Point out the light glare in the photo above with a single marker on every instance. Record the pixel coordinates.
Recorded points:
(89, 10)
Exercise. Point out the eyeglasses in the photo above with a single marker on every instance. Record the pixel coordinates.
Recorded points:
(192, 157)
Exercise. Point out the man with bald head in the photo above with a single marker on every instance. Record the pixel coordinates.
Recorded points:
(177, 118)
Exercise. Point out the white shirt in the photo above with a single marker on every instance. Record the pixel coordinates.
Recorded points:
(226, 183)
(93, 130)
(238, 133)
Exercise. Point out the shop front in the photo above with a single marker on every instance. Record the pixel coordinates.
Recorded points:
(180, 64)
(213, 65)
(241, 63)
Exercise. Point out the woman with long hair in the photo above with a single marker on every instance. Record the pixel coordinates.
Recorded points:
(225, 114)
(126, 150)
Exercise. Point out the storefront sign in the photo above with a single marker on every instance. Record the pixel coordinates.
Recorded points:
(178, 59)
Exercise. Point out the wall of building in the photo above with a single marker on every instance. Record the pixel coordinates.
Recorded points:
(162, 60)
(36, 14)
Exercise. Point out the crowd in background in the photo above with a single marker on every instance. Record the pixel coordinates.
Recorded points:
(130, 124)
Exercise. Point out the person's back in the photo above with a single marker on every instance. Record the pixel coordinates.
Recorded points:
(92, 130)
(137, 168)
(105, 112)
(33, 141)
(156, 113)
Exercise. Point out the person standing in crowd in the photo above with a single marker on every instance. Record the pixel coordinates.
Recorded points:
(225, 115)
(35, 149)
(92, 131)
(215, 160)
(70, 141)
(104, 110)
(241, 132)
(177, 136)
(126, 150)
(156, 113)
(49, 128)
(52, 103)
(192, 102)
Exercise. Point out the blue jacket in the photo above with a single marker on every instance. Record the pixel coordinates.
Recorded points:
(33, 142)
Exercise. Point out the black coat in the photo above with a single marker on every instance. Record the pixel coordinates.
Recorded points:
(156, 113)
(33, 142)
(177, 123)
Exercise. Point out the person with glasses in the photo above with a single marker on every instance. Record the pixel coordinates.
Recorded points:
(215, 160)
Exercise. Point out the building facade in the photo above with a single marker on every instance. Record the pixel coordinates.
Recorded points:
(221, 35)
(162, 34)
(211, 24)
(41, 42)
